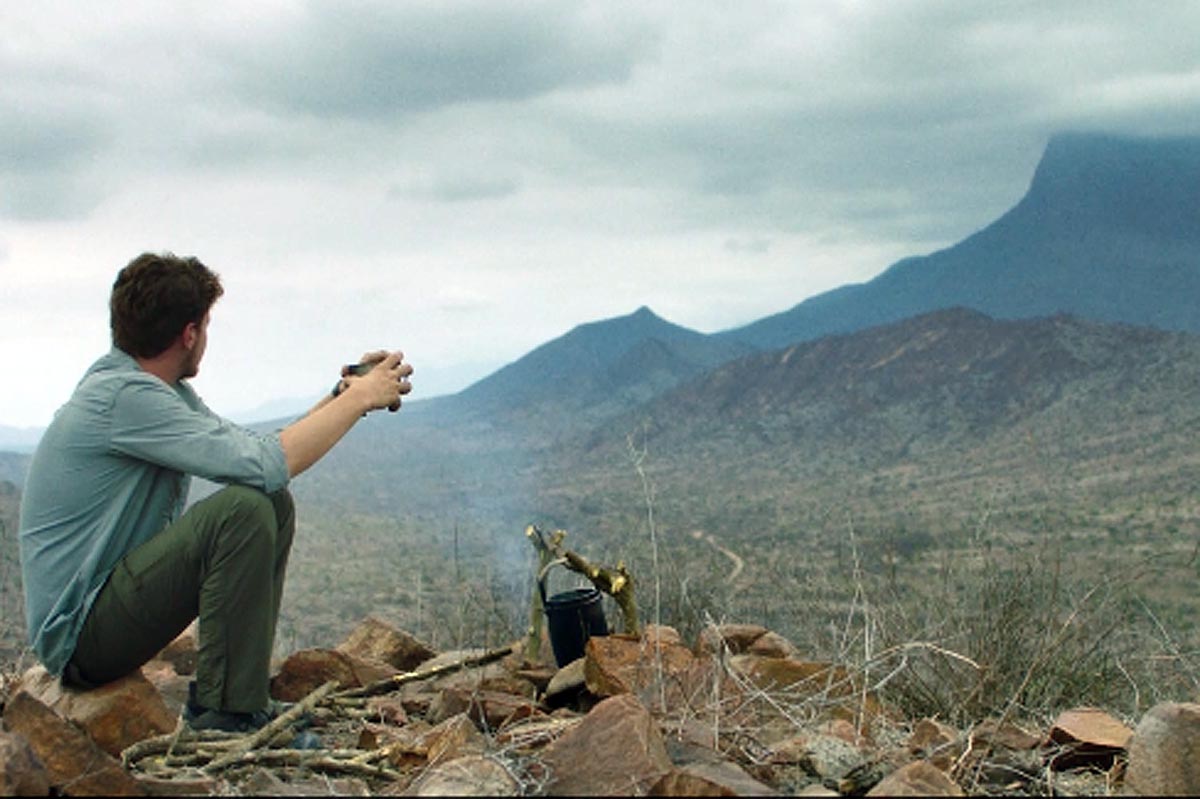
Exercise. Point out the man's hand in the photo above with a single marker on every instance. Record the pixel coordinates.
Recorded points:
(384, 384)
(307, 440)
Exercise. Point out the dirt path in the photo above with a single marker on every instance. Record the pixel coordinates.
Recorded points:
(738, 563)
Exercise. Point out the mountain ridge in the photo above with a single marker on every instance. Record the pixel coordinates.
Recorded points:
(1106, 231)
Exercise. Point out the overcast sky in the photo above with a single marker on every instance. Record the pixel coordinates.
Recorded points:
(466, 180)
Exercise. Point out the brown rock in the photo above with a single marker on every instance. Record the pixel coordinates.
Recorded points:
(183, 652)
(473, 775)
(1087, 737)
(616, 749)
(375, 639)
(406, 747)
(803, 679)
(74, 763)
(489, 709)
(21, 772)
(566, 682)
(841, 728)
(1164, 754)
(182, 786)
(115, 716)
(938, 743)
(453, 738)
(539, 675)
(263, 782)
(709, 779)
(388, 710)
(306, 670)
(620, 664)
(807, 677)
(737, 638)
(171, 686)
(772, 645)
(789, 751)
(498, 676)
(662, 635)
(917, 779)
(1007, 735)
(832, 758)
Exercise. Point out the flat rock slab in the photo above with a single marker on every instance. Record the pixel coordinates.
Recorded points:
(616, 750)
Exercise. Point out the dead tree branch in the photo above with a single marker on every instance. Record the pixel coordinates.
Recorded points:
(617, 583)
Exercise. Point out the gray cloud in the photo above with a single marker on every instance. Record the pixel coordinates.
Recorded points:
(461, 188)
(380, 60)
(912, 120)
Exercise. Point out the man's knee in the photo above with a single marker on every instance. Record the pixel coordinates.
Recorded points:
(248, 513)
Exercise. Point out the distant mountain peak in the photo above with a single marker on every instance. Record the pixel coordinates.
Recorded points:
(1107, 231)
(1147, 185)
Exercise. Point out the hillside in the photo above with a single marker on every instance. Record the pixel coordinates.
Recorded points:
(595, 370)
(1106, 231)
(939, 381)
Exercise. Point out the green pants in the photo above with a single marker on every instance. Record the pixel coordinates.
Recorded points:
(224, 561)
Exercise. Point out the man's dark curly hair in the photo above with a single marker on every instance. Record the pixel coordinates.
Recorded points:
(155, 297)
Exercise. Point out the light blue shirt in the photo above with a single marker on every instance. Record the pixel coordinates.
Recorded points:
(110, 472)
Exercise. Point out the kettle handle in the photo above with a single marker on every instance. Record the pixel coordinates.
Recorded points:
(541, 577)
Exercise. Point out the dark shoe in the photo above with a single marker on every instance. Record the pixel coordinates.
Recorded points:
(198, 717)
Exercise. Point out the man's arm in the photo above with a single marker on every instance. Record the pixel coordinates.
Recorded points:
(307, 440)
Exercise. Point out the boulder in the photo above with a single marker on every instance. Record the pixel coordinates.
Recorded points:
(566, 683)
(806, 677)
(737, 638)
(472, 775)
(21, 772)
(387, 710)
(491, 710)
(995, 734)
(305, 671)
(722, 778)
(454, 738)
(115, 716)
(183, 652)
(74, 763)
(832, 758)
(935, 742)
(1164, 753)
(263, 782)
(1087, 737)
(662, 635)
(917, 779)
(772, 645)
(375, 639)
(802, 679)
(621, 664)
(616, 749)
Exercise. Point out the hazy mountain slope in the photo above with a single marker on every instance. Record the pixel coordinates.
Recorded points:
(1108, 230)
(948, 379)
(13, 467)
(598, 368)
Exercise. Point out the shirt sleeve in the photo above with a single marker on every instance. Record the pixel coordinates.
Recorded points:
(154, 423)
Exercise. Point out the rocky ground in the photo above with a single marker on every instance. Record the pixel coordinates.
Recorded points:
(736, 712)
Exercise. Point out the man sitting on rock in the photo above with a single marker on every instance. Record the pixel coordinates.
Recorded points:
(113, 566)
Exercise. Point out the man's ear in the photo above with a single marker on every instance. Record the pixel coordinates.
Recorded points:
(191, 332)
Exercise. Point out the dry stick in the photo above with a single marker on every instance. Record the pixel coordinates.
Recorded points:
(264, 735)
(319, 760)
(648, 494)
(163, 744)
(391, 683)
(545, 553)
